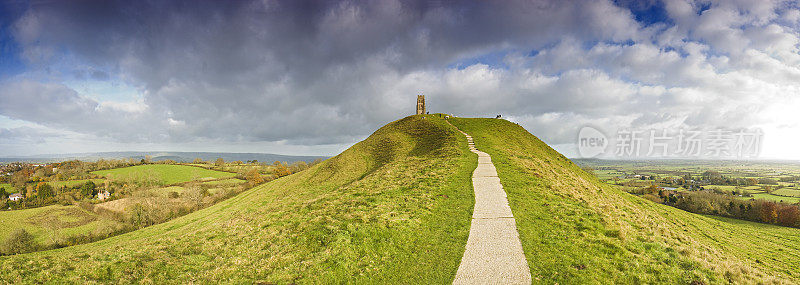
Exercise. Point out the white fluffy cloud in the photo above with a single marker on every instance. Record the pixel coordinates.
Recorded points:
(332, 72)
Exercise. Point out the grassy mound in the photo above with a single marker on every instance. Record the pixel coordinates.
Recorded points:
(50, 223)
(396, 206)
(576, 229)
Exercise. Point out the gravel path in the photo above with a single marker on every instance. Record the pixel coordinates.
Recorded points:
(494, 253)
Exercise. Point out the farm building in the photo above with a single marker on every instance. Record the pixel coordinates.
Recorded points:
(15, 197)
(102, 195)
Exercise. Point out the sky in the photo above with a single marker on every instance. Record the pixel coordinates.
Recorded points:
(314, 77)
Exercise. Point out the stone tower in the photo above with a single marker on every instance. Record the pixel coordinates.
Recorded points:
(420, 104)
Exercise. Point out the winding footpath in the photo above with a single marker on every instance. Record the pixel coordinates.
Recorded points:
(494, 253)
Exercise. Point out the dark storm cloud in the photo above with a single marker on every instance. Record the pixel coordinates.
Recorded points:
(58, 106)
(317, 72)
(297, 70)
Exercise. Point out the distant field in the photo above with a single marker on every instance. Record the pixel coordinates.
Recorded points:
(166, 174)
(248, 167)
(71, 183)
(787, 192)
(674, 168)
(164, 191)
(607, 170)
(784, 194)
(232, 181)
(607, 174)
(203, 165)
(771, 197)
(8, 187)
(722, 187)
(235, 167)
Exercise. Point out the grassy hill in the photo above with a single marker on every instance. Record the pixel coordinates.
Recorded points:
(397, 206)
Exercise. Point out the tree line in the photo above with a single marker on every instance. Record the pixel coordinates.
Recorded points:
(711, 203)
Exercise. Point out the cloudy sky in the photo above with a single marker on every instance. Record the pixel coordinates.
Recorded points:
(300, 77)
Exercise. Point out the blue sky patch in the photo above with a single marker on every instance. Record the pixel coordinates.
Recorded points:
(10, 63)
(647, 12)
(493, 59)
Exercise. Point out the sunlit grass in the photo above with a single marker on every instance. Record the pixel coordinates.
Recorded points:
(165, 173)
(576, 229)
(73, 183)
(50, 223)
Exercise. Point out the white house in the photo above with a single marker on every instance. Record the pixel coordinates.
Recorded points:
(15, 197)
(102, 195)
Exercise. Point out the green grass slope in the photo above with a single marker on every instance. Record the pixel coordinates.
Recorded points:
(577, 230)
(50, 223)
(395, 206)
(165, 173)
(73, 183)
(8, 188)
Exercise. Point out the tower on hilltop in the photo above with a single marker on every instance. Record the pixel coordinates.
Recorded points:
(420, 104)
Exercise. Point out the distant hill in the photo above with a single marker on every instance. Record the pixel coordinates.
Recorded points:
(397, 208)
(159, 156)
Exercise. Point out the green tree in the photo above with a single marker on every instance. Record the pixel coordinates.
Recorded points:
(280, 169)
(139, 216)
(788, 215)
(769, 212)
(20, 241)
(220, 162)
(19, 178)
(254, 177)
(44, 190)
(89, 189)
